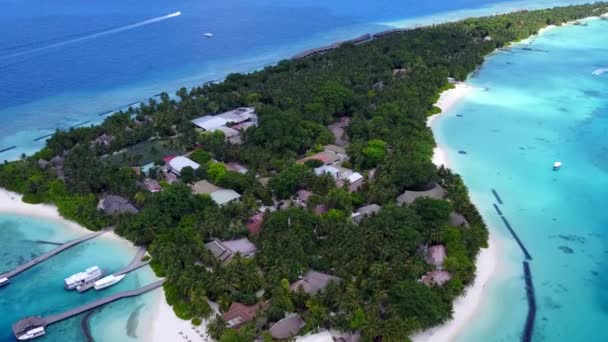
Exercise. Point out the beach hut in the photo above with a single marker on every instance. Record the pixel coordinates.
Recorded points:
(313, 282)
(114, 205)
(287, 328)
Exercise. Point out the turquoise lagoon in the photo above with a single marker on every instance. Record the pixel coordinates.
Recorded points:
(39, 291)
(536, 104)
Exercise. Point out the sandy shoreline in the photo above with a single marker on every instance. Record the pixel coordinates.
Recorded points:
(467, 305)
(447, 100)
(166, 326)
(11, 203)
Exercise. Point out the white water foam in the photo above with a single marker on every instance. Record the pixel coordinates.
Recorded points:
(600, 71)
(92, 36)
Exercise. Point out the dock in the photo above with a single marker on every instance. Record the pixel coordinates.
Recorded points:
(37, 260)
(28, 323)
(136, 263)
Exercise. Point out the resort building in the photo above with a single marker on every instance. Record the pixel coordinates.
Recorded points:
(177, 164)
(236, 167)
(323, 336)
(114, 205)
(204, 188)
(436, 278)
(313, 282)
(224, 196)
(302, 197)
(458, 220)
(287, 328)
(224, 251)
(435, 255)
(408, 197)
(209, 123)
(332, 170)
(325, 157)
(103, 140)
(339, 150)
(239, 314)
(231, 123)
(219, 195)
(342, 175)
(152, 185)
(365, 211)
(254, 223)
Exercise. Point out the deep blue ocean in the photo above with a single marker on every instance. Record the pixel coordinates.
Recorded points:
(64, 62)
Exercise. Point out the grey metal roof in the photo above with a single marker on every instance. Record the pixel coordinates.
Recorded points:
(224, 196)
(112, 204)
(408, 197)
(313, 282)
(287, 327)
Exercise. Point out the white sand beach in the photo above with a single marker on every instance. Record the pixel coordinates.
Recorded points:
(11, 203)
(447, 100)
(466, 306)
(166, 326)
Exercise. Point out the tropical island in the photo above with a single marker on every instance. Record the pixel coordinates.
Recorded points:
(298, 198)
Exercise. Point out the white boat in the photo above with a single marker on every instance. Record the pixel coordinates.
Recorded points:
(107, 281)
(4, 281)
(90, 275)
(32, 334)
(557, 165)
(209, 35)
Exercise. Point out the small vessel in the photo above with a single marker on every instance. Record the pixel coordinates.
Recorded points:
(32, 334)
(90, 275)
(107, 281)
(4, 282)
(557, 165)
(209, 35)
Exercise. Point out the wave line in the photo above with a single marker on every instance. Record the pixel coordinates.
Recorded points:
(95, 35)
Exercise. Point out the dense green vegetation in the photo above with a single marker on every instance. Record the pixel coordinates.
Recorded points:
(387, 87)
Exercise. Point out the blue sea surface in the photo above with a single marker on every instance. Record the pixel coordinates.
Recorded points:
(65, 62)
(39, 291)
(536, 104)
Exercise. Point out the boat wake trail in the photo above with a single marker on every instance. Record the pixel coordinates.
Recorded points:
(92, 36)
(600, 71)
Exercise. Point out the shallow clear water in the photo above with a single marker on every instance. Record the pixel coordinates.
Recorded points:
(65, 62)
(533, 108)
(39, 291)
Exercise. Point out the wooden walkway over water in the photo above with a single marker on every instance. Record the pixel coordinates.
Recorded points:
(32, 322)
(24, 267)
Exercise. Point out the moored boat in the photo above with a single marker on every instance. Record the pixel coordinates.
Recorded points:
(4, 281)
(90, 275)
(557, 165)
(107, 281)
(32, 334)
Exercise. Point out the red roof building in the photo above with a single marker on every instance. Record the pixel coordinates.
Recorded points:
(238, 314)
(254, 224)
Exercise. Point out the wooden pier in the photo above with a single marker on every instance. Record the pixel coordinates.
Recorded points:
(136, 263)
(37, 260)
(22, 326)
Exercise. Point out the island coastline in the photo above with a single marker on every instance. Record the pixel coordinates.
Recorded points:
(167, 325)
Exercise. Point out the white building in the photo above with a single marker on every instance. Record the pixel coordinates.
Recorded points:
(178, 163)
